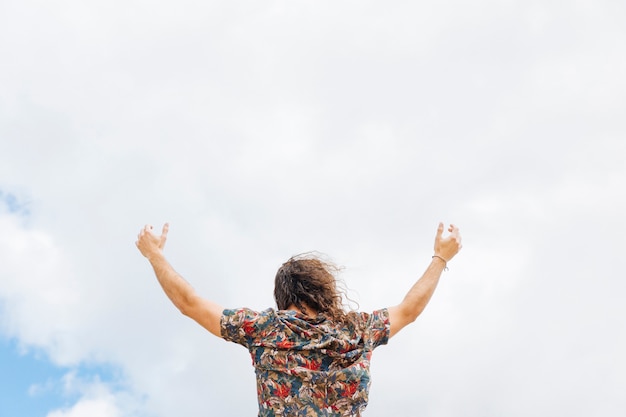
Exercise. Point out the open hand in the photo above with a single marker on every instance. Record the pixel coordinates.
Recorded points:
(150, 244)
(447, 247)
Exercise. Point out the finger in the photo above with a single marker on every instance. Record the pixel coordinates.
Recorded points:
(457, 237)
(439, 230)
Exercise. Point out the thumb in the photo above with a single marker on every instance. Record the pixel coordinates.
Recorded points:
(166, 228)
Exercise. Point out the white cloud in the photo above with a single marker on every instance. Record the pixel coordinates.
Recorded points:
(100, 407)
(96, 400)
(37, 286)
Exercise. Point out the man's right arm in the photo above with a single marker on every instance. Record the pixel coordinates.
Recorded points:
(183, 296)
(204, 312)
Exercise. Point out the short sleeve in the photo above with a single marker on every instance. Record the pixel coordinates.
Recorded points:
(379, 327)
(242, 325)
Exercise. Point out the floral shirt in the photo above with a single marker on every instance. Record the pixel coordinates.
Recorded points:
(308, 367)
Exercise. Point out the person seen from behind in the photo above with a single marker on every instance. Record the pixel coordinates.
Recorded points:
(311, 357)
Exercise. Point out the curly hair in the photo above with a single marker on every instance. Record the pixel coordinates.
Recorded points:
(307, 281)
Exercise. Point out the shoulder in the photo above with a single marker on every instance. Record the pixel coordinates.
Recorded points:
(242, 325)
(381, 315)
(245, 314)
(375, 325)
(245, 311)
(361, 321)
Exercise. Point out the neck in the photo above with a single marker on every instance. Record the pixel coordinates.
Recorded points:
(306, 310)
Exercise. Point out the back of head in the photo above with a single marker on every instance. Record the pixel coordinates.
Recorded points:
(307, 281)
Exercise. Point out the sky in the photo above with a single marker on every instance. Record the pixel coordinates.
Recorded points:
(260, 130)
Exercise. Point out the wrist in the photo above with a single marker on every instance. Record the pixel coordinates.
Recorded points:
(155, 256)
(441, 259)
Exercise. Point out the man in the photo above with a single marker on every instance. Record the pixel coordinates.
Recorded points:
(311, 358)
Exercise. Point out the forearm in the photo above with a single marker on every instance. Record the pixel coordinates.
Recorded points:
(417, 298)
(175, 287)
(421, 292)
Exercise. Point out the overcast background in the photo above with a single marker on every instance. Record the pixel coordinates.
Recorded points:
(262, 129)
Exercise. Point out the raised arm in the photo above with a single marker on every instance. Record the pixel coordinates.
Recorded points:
(418, 296)
(184, 297)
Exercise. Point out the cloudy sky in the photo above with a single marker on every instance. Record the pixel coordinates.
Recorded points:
(263, 129)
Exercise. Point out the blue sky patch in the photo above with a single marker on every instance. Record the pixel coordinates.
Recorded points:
(12, 203)
(31, 386)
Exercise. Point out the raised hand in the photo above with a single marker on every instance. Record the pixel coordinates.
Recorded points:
(150, 244)
(447, 247)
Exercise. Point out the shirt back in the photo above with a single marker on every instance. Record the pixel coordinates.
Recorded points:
(306, 366)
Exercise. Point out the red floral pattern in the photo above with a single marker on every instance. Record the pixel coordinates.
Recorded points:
(308, 367)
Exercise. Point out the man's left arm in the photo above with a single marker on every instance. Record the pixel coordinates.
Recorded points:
(419, 295)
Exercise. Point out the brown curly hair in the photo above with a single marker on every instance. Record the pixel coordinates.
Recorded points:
(304, 281)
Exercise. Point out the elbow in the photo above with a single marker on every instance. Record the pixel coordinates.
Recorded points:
(411, 317)
(184, 309)
(186, 306)
(411, 314)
